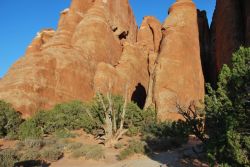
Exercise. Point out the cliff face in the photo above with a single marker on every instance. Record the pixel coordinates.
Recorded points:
(60, 65)
(178, 74)
(208, 62)
(230, 29)
(98, 47)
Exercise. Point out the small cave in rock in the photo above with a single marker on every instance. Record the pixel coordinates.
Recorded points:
(123, 35)
(139, 95)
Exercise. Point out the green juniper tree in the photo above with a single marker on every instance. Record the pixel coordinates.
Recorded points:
(228, 113)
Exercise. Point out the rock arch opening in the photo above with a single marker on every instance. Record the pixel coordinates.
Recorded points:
(139, 95)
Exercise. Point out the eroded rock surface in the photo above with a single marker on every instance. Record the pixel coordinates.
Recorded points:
(98, 48)
(60, 66)
(178, 74)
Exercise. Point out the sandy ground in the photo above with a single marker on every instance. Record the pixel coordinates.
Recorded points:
(181, 157)
(171, 158)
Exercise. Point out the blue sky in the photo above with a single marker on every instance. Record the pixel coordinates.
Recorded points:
(22, 19)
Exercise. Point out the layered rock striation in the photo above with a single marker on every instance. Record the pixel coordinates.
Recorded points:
(98, 48)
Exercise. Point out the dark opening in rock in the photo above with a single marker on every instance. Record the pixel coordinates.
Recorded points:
(139, 95)
(123, 35)
(114, 29)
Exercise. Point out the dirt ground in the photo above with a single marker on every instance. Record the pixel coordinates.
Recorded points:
(181, 157)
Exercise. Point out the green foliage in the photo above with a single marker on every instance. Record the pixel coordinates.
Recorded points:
(166, 135)
(64, 133)
(69, 116)
(34, 143)
(74, 146)
(133, 131)
(95, 152)
(119, 145)
(228, 113)
(10, 120)
(51, 154)
(135, 147)
(30, 154)
(30, 130)
(8, 157)
(135, 118)
(20, 145)
(168, 128)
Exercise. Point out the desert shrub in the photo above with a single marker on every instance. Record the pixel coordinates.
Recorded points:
(51, 154)
(133, 131)
(138, 118)
(67, 116)
(30, 154)
(135, 147)
(10, 120)
(223, 165)
(227, 111)
(60, 144)
(135, 118)
(95, 152)
(8, 157)
(162, 136)
(49, 141)
(19, 145)
(34, 143)
(30, 130)
(167, 129)
(73, 146)
(64, 133)
(119, 145)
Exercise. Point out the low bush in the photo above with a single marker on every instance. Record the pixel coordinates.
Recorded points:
(34, 143)
(51, 154)
(10, 120)
(63, 118)
(166, 135)
(74, 146)
(133, 131)
(95, 152)
(137, 119)
(8, 157)
(30, 130)
(30, 154)
(63, 133)
(119, 145)
(167, 129)
(61, 144)
(50, 141)
(135, 147)
(20, 145)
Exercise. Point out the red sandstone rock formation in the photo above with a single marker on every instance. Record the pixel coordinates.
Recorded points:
(230, 29)
(97, 47)
(60, 66)
(149, 38)
(208, 61)
(178, 74)
(130, 72)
